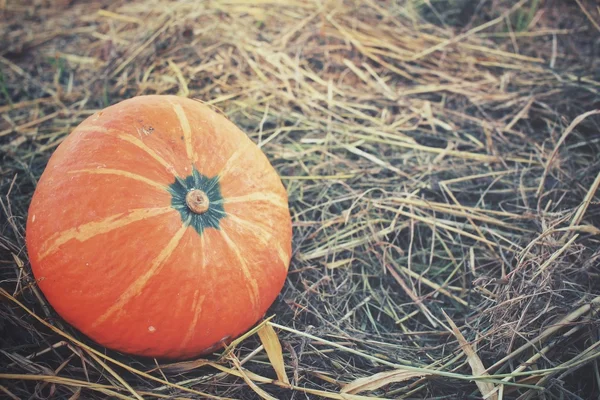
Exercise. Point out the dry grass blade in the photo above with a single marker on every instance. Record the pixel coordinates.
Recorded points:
(374, 159)
(272, 346)
(585, 204)
(561, 323)
(412, 296)
(182, 366)
(379, 380)
(588, 15)
(563, 137)
(117, 376)
(487, 389)
(243, 337)
(555, 255)
(249, 381)
(8, 393)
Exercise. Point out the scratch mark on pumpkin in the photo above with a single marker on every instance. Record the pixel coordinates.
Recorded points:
(136, 287)
(231, 162)
(87, 231)
(187, 131)
(258, 196)
(263, 235)
(196, 310)
(253, 289)
(118, 172)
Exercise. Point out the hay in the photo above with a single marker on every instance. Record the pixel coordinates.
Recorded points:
(441, 158)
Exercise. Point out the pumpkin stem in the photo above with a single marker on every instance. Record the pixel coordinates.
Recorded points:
(197, 201)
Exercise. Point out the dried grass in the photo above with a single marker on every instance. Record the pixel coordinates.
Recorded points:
(440, 158)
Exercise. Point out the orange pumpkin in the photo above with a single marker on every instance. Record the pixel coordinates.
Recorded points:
(159, 228)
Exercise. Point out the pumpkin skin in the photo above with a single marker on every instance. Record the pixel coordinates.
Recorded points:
(158, 228)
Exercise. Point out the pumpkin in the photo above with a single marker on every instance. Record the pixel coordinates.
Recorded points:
(158, 228)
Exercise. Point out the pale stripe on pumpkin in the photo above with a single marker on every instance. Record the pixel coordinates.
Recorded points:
(137, 142)
(187, 131)
(89, 230)
(262, 235)
(135, 289)
(118, 172)
(196, 310)
(197, 301)
(244, 266)
(258, 196)
(133, 140)
(233, 158)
